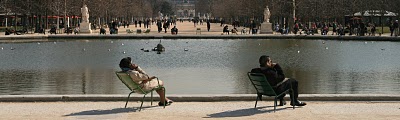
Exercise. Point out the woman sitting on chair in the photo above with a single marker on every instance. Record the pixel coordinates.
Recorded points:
(139, 76)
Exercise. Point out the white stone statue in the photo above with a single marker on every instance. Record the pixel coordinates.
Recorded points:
(267, 14)
(85, 14)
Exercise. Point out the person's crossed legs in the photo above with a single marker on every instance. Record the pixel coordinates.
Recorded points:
(291, 83)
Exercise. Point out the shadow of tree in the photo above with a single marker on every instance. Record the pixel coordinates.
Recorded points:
(243, 112)
(104, 112)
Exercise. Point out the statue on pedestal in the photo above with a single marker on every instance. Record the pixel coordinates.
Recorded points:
(85, 25)
(267, 14)
(266, 26)
(85, 13)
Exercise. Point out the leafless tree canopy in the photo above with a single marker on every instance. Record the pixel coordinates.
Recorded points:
(310, 10)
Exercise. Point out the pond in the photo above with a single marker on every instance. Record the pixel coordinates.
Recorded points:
(198, 66)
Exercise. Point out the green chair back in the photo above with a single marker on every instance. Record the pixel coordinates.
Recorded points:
(261, 84)
(135, 88)
(127, 80)
(147, 31)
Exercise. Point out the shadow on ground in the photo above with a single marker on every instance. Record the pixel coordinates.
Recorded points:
(104, 112)
(244, 112)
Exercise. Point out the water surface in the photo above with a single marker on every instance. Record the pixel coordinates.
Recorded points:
(207, 67)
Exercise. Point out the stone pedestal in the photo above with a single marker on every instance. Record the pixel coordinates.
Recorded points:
(266, 28)
(85, 28)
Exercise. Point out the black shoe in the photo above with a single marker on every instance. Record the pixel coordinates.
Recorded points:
(282, 102)
(162, 104)
(298, 103)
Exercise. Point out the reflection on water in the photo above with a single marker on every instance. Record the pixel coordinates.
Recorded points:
(206, 67)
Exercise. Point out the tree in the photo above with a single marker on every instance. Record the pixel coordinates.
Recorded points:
(306, 10)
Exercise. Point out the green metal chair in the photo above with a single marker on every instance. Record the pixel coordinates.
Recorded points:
(262, 87)
(129, 31)
(147, 31)
(134, 87)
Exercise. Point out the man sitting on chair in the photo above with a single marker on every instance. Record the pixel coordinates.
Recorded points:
(102, 31)
(234, 31)
(274, 74)
(174, 30)
(225, 30)
(244, 31)
(140, 76)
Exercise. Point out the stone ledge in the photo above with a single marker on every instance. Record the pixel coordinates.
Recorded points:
(196, 97)
(39, 38)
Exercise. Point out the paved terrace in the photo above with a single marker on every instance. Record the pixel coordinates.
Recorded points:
(239, 110)
(192, 107)
(187, 30)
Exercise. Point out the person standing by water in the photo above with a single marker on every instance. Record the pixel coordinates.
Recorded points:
(208, 25)
(253, 27)
(165, 26)
(396, 28)
(159, 26)
(146, 82)
(136, 23)
(391, 27)
(274, 74)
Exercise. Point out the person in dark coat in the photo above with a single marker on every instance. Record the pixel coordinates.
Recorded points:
(136, 23)
(174, 30)
(159, 26)
(226, 29)
(165, 26)
(7, 32)
(274, 74)
(208, 25)
(391, 27)
(396, 28)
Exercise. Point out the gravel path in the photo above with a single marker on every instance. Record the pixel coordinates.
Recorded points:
(199, 110)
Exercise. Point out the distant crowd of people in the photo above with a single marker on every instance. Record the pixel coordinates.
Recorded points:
(357, 28)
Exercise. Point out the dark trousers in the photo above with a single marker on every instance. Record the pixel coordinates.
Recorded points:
(291, 83)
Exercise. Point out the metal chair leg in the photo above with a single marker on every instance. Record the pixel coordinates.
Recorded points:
(255, 106)
(164, 95)
(151, 103)
(275, 104)
(142, 102)
(128, 99)
(259, 97)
